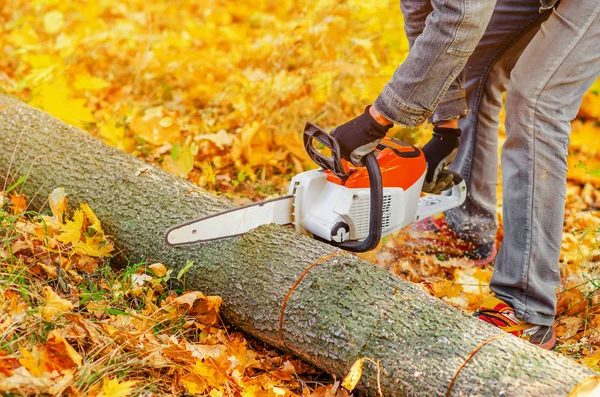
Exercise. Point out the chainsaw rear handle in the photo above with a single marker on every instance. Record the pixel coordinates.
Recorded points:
(334, 164)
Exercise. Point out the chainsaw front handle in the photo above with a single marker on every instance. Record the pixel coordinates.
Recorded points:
(375, 210)
(433, 204)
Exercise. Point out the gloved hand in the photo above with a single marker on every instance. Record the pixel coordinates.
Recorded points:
(359, 137)
(439, 152)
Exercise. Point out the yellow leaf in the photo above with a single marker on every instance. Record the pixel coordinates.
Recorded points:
(58, 203)
(193, 384)
(321, 86)
(85, 82)
(19, 204)
(114, 388)
(56, 98)
(351, 380)
(208, 175)
(54, 305)
(593, 360)
(158, 269)
(204, 308)
(30, 362)
(446, 288)
(185, 161)
(589, 387)
(115, 136)
(94, 246)
(24, 37)
(71, 230)
(53, 22)
(93, 220)
(150, 129)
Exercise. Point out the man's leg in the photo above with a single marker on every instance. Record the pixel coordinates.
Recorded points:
(512, 26)
(545, 92)
(453, 105)
(438, 55)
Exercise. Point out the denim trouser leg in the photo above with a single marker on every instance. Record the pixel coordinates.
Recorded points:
(453, 105)
(449, 35)
(513, 24)
(544, 94)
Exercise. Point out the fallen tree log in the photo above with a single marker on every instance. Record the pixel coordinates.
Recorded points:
(343, 309)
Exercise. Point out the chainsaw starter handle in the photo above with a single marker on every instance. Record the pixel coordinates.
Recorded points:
(375, 209)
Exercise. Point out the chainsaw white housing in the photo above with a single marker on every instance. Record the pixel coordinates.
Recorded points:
(338, 213)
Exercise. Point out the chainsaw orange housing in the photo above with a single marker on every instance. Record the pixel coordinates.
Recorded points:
(401, 165)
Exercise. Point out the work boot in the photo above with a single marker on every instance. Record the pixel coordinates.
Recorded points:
(498, 313)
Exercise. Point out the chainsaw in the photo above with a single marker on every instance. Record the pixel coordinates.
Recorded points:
(346, 206)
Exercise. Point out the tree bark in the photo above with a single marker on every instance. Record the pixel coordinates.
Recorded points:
(344, 309)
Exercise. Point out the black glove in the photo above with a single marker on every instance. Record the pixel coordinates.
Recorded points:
(359, 137)
(439, 152)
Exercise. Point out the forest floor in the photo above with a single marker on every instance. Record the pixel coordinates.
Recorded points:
(216, 93)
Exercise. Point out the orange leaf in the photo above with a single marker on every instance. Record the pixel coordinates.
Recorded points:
(19, 204)
(204, 308)
(59, 354)
(7, 364)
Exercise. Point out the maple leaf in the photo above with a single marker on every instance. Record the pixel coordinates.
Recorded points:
(58, 354)
(114, 388)
(19, 204)
(71, 230)
(54, 304)
(30, 361)
(204, 308)
(86, 82)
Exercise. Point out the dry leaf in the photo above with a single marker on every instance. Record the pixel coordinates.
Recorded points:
(54, 305)
(58, 354)
(353, 377)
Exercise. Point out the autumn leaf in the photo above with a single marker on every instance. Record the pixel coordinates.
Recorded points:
(30, 361)
(19, 204)
(354, 374)
(7, 364)
(58, 203)
(158, 269)
(71, 229)
(58, 354)
(204, 308)
(86, 82)
(114, 388)
(54, 305)
(53, 22)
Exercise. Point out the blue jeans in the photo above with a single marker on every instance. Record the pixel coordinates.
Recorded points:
(545, 62)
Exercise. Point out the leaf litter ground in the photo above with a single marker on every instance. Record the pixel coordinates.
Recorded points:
(216, 92)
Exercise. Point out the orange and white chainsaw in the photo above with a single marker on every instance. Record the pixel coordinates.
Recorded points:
(346, 206)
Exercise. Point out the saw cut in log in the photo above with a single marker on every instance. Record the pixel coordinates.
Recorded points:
(342, 309)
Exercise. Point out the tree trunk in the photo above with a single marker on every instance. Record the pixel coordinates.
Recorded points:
(344, 309)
